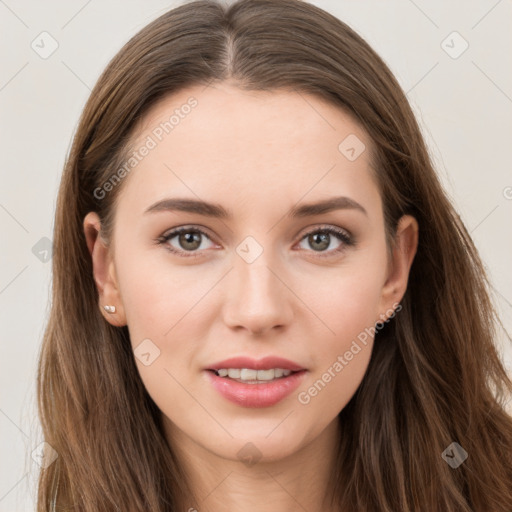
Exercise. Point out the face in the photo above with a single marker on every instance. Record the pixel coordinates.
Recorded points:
(268, 279)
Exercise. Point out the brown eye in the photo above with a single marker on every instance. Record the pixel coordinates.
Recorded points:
(188, 240)
(321, 239)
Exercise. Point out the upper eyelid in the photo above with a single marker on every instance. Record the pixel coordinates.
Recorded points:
(171, 233)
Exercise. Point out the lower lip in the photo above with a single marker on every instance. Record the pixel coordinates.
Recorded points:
(256, 395)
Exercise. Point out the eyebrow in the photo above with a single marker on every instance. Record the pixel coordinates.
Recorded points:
(219, 212)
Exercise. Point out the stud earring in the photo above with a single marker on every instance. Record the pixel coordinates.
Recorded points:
(109, 309)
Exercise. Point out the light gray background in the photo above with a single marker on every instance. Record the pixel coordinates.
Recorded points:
(464, 106)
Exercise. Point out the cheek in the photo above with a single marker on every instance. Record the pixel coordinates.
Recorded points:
(155, 296)
(158, 303)
(342, 356)
(350, 297)
(350, 310)
(350, 314)
(331, 388)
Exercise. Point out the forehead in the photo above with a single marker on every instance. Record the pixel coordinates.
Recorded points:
(271, 145)
(233, 117)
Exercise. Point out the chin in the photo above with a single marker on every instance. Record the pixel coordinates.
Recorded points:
(259, 443)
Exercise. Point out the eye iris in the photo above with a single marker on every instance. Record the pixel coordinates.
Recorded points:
(324, 243)
(190, 237)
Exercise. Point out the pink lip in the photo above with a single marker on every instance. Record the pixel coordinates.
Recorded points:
(266, 363)
(255, 395)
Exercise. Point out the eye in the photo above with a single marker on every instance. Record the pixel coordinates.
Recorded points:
(320, 239)
(188, 240)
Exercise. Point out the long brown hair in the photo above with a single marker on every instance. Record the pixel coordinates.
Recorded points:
(435, 376)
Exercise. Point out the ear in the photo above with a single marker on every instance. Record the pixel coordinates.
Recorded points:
(402, 255)
(103, 270)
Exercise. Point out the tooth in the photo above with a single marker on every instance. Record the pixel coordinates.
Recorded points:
(234, 373)
(249, 374)
(246, 374)
(265, 374)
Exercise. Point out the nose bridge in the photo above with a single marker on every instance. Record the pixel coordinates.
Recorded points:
(258, 300)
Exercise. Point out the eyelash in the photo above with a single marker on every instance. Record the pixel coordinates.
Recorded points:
(341, 234)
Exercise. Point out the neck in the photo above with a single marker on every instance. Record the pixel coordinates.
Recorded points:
(300, 481)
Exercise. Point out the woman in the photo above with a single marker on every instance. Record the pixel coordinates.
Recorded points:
(263, 299)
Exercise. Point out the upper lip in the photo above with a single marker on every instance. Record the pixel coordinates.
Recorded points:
(266, 363)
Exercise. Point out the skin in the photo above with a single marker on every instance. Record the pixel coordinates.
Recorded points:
(257, 154)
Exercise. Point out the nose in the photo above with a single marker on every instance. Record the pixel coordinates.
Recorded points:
(258, 298)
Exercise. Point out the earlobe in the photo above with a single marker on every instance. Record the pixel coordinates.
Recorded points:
(103, 272)
(402, 255)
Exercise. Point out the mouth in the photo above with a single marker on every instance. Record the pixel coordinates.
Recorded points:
(260, 383)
